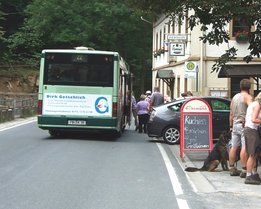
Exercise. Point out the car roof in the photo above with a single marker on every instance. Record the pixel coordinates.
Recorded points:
(200, 97)
(180, 99)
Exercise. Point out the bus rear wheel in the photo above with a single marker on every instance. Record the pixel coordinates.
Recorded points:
(54, 133)
(118, 134)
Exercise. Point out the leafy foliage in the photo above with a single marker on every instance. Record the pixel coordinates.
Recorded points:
(68, 24)
(1, 27)
(101, 24)
(2, 32)
(11, 16)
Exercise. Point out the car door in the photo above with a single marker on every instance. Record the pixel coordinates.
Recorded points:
(220, 115)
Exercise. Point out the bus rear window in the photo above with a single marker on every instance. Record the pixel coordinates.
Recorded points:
(78, 69)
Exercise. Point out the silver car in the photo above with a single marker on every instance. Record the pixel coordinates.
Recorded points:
(165, 120)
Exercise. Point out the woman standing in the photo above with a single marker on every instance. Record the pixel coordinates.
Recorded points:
(142, 109)
(253, 119)
(134, 111)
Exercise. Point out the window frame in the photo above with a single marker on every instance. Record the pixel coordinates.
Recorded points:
(245, 27)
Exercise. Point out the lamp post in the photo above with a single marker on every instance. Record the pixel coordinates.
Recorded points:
(145, 20)
(144, 78)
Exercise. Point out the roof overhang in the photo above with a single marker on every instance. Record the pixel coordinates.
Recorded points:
(165, 74)
(248, 70)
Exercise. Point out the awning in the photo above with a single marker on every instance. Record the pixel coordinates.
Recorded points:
(165, 74)
(249, 70)
(168, 76)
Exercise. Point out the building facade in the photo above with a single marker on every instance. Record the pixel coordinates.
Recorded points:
(181, 62)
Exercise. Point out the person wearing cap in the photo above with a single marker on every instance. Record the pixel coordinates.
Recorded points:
(148, 92)
(148, 96)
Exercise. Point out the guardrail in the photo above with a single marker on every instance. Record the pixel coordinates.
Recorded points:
(17, 105)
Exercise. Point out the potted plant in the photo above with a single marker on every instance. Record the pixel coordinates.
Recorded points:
(158, 52)
(162, 50)
(242, 36)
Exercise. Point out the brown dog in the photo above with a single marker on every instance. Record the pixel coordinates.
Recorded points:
(218, 154)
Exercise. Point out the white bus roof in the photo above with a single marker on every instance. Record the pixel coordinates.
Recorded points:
(78, 51)
(87, 51)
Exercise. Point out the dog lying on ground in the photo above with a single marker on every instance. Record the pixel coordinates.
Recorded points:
(218, 154)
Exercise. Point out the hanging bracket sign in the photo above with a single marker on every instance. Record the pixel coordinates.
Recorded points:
(195, 126)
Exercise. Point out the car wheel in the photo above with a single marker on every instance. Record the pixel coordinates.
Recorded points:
(171, 135)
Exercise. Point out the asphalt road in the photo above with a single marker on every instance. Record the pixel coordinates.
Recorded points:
(81, 171)
(88, 171)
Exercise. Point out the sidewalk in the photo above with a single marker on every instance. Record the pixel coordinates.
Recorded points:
(16, 122)
(219, 181)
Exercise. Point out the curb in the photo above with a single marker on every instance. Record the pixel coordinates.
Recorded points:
(198, 181)
(17, 122)
(216, 181)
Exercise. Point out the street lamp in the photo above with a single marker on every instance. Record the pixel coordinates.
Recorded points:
(145, 20)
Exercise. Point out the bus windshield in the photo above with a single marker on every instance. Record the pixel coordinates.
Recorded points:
(78, 69)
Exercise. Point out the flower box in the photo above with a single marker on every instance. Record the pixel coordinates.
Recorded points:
(242, 36)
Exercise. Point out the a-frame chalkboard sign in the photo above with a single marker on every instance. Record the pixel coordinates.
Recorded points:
(195, 126)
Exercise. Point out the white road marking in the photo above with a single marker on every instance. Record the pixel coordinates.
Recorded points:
(9, 126)
(176, 186)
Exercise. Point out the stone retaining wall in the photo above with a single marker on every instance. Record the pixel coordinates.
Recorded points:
(17, 105)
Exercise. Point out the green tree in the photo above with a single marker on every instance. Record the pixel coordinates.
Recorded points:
(212, 16)
(1, 26)
(103, 25)
(2, 32)
(11, 17)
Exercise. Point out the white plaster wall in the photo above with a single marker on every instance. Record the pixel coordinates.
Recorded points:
(216, 51)
(194, 50)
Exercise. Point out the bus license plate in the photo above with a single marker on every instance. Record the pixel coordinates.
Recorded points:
(77, 122)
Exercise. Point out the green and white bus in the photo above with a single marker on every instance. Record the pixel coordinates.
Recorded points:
(83, 90)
